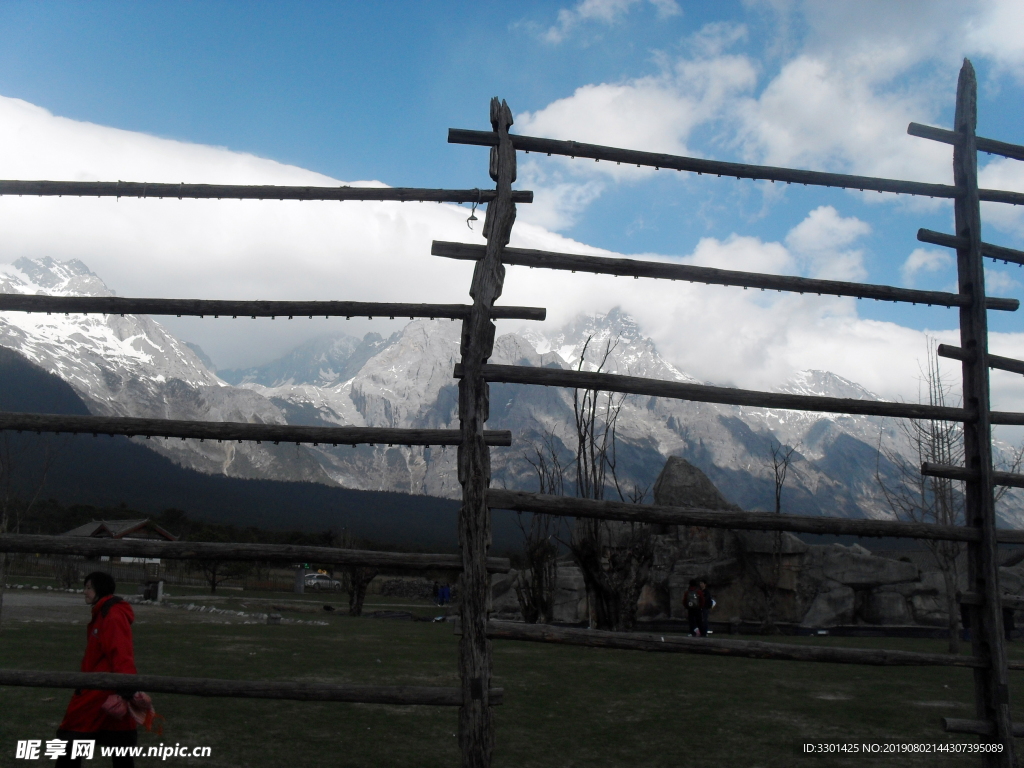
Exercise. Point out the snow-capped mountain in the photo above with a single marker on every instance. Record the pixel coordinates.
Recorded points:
(132, 366)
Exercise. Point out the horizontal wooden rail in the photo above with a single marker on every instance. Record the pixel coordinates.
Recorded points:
(1007, 601)
(716, 167)
(979, 727)
(751, 649)
(244, 689)
(604, 265)
(951, 472)
(993, 147)
(569, 506)
(118, 305)
(997, 252)
(240, 431)
(249, 192)
(703, 393)
(994, 361)
(1010, 418)
(205, 550)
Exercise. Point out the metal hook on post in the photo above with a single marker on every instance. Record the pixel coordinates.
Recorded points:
(472, 213)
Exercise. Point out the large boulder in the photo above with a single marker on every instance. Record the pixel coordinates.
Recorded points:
(884, 607)
(855, 569)
(836, 605)
(570, 594)
(681, 484)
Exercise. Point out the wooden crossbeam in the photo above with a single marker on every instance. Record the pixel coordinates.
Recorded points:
(568, 506)
(702, 393)
(991, 146)
(951, 472)
(244, 689)
(1007, 601)
(118, 305)
(716, 167)
(228, 430)
(1011, 418)
(997, 252)
(979, 727)
(660, 270)
(751, 649)
(249, 192)
(994, 361)
(204, 550)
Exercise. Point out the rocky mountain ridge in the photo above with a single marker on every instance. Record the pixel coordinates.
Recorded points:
(132, 366)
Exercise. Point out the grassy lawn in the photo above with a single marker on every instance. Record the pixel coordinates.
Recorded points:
(564, 706)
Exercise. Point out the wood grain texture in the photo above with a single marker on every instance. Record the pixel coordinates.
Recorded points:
(200, 550)
(248, 192)
(993, 147)
(711, 276)
(719, 168)
(243, 689)
(979, 727)
(963, 474)
(991, 683)
(702, 393)
(997, 252)
(569, 506)
(750, 649)
(476, 722)
(994, 361)
(117, 305)
(240, 431)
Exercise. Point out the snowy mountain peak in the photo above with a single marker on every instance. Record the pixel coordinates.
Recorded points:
(55, 278)
(826, 384)
(615, 335)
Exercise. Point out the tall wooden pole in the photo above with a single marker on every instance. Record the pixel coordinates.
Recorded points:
(476, 726)
(991, 684)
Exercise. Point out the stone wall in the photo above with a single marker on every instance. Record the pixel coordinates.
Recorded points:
(819, 585)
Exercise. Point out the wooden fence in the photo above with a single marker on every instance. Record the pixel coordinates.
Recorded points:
(475, 697)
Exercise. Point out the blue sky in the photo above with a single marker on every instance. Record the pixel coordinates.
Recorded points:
(367, 91)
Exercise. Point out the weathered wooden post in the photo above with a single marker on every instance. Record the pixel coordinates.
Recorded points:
(476, 727)
(991, 684)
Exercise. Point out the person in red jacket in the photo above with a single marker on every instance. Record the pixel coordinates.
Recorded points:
(108, 649)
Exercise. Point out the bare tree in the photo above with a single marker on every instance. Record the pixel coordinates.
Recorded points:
(924, 499)
(535, 584)
(779, 458)
(615, 558)
(354, 579)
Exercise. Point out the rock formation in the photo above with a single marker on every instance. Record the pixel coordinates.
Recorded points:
(820, 585)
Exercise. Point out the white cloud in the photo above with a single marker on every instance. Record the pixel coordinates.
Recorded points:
(380, 252)
(996, 32)
(997, 280)
(657, 113)
(606, 11)
(821, 241)
(815, 114)
(1008, 174)
(924, 260)
(556, 202)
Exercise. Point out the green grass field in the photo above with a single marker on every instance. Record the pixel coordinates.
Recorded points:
(564, 706)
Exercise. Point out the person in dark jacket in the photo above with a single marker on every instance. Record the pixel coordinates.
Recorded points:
(108, 649)
(694, 602)
(709, 603)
